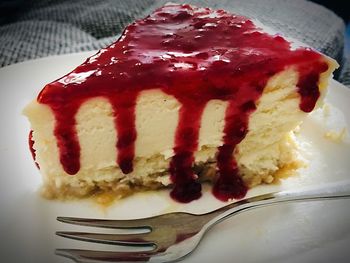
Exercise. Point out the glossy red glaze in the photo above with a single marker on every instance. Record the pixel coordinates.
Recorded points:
(196, 55)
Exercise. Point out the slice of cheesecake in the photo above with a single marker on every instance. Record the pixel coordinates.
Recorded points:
(185, 95)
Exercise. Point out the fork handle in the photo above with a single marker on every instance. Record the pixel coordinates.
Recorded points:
(337, 190)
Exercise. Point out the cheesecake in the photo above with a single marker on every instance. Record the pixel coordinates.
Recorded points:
(186, 95)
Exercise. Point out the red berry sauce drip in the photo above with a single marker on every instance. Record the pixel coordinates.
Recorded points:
(124, 111)
(186, 188)
(196, 55)
(31, 148)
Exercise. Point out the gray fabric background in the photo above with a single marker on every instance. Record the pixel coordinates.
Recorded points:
(47, 27)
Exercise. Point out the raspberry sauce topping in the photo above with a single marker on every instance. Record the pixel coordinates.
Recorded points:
(196, 55)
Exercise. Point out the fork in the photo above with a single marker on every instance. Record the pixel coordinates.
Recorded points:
(170, 237)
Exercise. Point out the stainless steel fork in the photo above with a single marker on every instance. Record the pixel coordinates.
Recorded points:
(172, 236)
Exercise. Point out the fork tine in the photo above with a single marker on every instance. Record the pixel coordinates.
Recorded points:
(118, 239)
(105, 223)
(79, 255)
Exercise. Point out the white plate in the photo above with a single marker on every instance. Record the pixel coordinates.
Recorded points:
(309, 232)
